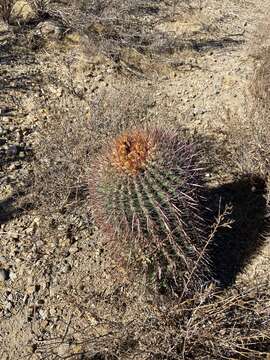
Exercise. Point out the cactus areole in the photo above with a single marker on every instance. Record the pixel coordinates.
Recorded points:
(145, 188)
(131, 152)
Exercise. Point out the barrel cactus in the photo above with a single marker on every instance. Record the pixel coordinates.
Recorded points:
(146, 192)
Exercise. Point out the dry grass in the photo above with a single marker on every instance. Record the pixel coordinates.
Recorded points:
(139, 35)
(260, 90)
(249, 135)
(128, 324)
(73, 136)
(131, 25)
(130, 32)
(213, 325)
(5, 9)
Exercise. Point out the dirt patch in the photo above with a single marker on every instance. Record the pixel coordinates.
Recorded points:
(61, 293)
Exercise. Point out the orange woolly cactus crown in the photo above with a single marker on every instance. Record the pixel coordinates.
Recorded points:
(131, 151)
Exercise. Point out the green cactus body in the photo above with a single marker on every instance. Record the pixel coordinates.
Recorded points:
(145, 188)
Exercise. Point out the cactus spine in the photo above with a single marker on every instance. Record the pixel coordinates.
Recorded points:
(146, 188)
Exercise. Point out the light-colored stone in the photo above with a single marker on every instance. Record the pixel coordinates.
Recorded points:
(74, 38)
(12, 276)
(43, 314)
(63, 349)
(22, 12)
(2, 260)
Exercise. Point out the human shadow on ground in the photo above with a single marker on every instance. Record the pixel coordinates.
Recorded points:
(234, 246)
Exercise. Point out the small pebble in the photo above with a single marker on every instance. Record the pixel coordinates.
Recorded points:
(66, 268)
(2, 141)
(73, 249)
(12, 276)
(12, 150)
(2, 259)
(43, 314)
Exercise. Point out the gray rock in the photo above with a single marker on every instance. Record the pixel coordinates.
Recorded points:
(22, 13)
(4, 275)
(2, 259)
(12, 150)
(50, 30)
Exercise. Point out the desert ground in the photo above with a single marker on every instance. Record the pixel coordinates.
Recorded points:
(74, 74)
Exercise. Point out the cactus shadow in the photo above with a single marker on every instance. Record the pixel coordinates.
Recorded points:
(234, 246)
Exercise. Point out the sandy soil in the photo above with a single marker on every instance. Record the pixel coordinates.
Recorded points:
(47, 282)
